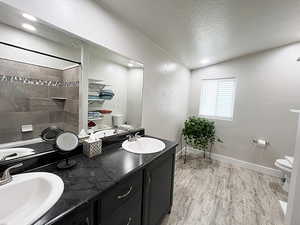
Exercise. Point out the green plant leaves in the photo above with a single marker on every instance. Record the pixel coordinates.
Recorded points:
(199, 132)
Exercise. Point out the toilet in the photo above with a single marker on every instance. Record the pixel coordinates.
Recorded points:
(286, 166)
(117, 120)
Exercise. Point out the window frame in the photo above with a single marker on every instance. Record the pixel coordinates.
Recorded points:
(233, 99)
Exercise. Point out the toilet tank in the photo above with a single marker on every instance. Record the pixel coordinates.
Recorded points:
(117, 120)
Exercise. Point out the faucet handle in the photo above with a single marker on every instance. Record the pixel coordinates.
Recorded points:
(6, 177)
(137, 135)
(129, 136)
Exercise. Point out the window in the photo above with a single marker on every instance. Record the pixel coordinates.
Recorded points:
(217, 98)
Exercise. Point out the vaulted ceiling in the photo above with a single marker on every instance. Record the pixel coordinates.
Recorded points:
(204, 32)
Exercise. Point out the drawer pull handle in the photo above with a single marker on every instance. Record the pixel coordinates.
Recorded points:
(126, 194)
(129, 221)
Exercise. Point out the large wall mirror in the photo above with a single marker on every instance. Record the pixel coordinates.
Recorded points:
(51, 78)
(114, 90)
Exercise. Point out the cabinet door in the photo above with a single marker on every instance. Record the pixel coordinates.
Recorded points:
(128, 214)
(158, 192)
(121, 193)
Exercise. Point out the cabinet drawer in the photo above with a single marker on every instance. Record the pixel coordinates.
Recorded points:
(121, 193)
(128, 214)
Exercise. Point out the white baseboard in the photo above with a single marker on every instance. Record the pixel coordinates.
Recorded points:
(244, 164)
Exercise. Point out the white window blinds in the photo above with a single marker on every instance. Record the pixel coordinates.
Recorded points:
(217, 98)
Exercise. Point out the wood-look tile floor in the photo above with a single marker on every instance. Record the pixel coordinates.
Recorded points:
(215, 193)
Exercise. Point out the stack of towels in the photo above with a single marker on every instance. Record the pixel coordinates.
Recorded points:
(106, 94)
(103, 94)
(93, 95)
(94, 115)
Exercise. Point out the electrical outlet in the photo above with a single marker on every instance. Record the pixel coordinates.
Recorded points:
(27, 128)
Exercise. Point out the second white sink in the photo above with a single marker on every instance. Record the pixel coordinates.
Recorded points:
(19, 152)
(28, 196)
(144, 145)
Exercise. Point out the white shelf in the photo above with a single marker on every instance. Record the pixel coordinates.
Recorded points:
(97, 84)
(91, 101)
(100, 84)
(295, 110)
(95, 81)
(59, 98)
(95, 119)
(96, 100)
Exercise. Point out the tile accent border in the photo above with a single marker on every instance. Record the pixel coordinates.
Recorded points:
(31, 81)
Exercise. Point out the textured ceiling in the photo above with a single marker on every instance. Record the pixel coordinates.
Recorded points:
(213, 30)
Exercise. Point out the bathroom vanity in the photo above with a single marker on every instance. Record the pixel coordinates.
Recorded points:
(115, 188)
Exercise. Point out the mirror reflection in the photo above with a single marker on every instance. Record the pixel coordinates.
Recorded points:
(50, 80)
(114, 92)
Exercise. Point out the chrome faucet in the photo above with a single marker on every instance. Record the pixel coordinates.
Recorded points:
(116, 130)
(6, 177)
(132, 138)
(137, 135)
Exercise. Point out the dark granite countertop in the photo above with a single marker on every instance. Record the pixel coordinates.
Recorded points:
(91, 177)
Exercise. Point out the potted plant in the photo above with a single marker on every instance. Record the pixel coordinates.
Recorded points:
(200, 133)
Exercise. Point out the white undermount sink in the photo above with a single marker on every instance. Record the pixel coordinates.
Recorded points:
(144, 145)
(18, 152)
(28, 196)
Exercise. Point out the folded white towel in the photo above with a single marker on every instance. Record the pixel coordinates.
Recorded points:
(290, 159)
(93, 93)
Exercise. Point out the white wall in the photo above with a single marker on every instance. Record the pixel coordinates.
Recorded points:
(112, 74)
(267, 87)
(165, 93)
(134, 96)
(23, 39)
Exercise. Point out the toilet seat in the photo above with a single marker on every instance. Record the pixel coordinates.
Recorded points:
(284, 165)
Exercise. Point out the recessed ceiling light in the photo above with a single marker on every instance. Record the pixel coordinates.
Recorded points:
(204, 61)
(28, 27)
(130, 64)
(29, 17)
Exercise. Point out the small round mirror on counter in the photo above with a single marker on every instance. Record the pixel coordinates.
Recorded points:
(65, 143)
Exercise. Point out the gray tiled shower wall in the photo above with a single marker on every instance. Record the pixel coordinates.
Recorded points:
(23, 104)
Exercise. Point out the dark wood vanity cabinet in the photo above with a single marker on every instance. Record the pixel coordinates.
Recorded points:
(143, 198)
(127, 214)
(123, 203)
(158, 189)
